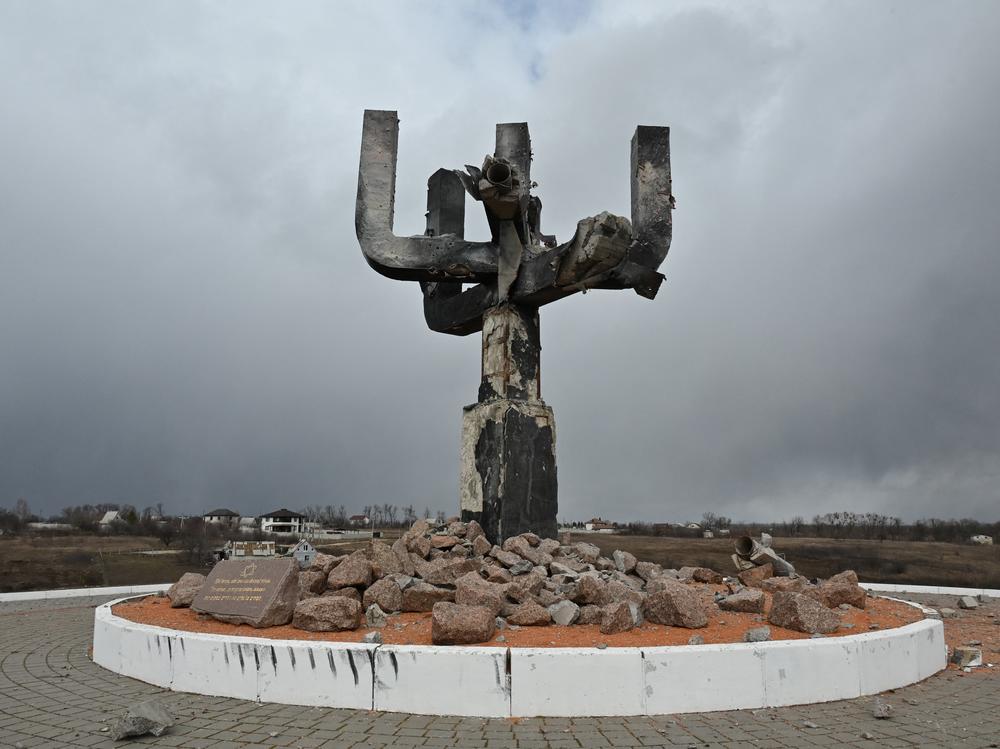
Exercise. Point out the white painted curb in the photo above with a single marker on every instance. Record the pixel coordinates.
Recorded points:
(934, 590)
(48, 595)
(521, 682)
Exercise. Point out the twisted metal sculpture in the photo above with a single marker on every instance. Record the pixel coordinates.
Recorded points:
(508, 472)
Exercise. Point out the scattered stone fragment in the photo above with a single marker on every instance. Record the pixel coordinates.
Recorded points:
(590, 614)
(445, 571)
(809, 724)
(624, 561)
(947, 613)
(647, 570)
(375, 617)
(480, 546)
(696, 640)
(968, 602)
(564, 612)
(967, 657)
(847, 576)
(344, 592)
(748, 600)
(311, 583)
(839, 594)
(422, 596)
(151, 716)
(325, 562)
(588, 553)
(785, 584)
(801, 613)
(601, 646)
(521, 568)
(384, 559)
(753, 578)
(676, 606)
(881, 709)
(473, 590)
(757, 634)
(355, 571)
(372, 638)
(182, 592)
(620, 617)
(454, 624)
(327, 614)
(590, 590)
(530, 614)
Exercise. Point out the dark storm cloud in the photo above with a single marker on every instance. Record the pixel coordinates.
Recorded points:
(185, 315)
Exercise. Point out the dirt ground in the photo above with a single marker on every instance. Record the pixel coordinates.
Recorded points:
(79, 561)
(415, 628)
(917, 563)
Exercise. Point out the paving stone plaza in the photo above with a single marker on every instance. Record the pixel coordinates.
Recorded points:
(52, 695)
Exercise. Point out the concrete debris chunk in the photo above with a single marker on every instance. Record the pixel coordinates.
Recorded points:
(968, 602)
(151, 716)
(757, 634)
(375, 617)
(881, 709)
(564, 613)
(967, 657)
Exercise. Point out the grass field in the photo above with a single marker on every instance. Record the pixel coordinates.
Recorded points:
(919, 563)
(38, 563)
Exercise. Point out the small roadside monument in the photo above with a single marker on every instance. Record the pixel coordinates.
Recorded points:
(259, 592)
(508, 465)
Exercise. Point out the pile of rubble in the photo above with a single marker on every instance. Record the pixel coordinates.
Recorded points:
(470, 586)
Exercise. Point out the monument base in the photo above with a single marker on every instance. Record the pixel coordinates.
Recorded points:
(508, 474)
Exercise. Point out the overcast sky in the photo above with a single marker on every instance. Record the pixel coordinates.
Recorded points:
(186, 317)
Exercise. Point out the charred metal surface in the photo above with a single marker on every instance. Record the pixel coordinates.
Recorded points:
(508, 479)
(436, 258)
(511, 354)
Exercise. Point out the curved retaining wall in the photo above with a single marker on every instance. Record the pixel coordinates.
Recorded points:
(521, 682)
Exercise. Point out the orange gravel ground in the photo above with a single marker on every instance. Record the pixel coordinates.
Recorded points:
(415, 628)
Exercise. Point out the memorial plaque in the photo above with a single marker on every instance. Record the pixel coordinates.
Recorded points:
(258, 592)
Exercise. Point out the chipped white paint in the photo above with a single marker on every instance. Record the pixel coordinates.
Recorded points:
(442, 680)
(539, 681)
(293, 672)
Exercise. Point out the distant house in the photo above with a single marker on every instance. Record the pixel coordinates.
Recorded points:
(239, 549)
(222, 516)
(304, 553)
(597, 524)
(110, 517)
(359, 520)
(282, 521)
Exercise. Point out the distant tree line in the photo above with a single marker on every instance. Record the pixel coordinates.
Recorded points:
(835, 525)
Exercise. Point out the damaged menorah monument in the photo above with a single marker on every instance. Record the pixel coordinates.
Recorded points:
(508, 464)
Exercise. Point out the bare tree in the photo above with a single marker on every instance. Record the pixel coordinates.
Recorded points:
(22, 510)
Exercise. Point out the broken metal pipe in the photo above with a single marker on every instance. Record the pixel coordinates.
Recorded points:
(757, 554)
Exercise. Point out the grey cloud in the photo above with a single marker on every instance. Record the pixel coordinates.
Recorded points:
(185, 315)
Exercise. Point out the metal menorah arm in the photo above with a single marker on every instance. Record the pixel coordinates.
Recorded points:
(519, 264)
(418, 258)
